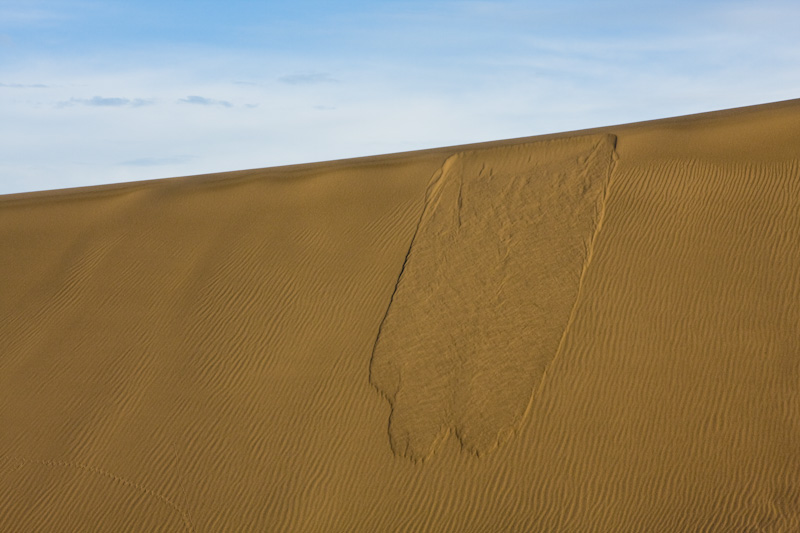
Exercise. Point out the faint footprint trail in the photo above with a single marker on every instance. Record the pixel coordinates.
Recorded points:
(487, 290)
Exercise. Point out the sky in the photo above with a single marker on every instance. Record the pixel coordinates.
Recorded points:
(105, 91)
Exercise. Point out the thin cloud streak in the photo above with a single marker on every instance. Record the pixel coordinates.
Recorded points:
(99, 101)
(24, 85)
(308, 79)
(200, 100)
(157, 161)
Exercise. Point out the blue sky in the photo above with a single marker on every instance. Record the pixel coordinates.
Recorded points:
(106, 91)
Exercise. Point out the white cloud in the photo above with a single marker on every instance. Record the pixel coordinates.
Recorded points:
(201, 100)
(100, 101)
(158, 161)
(308, 78)
(19, 15)
(24, 85)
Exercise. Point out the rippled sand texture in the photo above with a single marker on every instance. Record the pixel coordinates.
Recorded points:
(606, 324)
(487, 290)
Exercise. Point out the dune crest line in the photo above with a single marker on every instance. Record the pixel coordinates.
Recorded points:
(467, 336)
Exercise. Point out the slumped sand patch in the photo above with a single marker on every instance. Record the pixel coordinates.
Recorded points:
(487, 290)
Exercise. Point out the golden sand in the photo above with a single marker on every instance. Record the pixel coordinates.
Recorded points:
(588, 331)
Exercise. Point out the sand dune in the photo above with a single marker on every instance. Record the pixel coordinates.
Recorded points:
(588, 331)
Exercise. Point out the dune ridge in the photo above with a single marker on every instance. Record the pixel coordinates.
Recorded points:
(215, 353)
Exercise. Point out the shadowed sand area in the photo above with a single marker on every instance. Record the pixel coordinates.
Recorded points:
(588, 331)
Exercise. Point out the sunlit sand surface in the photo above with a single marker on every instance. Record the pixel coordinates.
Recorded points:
(588, 331)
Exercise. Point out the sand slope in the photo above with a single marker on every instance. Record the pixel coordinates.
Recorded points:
(590, 331)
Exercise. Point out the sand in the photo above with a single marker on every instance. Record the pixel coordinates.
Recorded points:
(588, 331)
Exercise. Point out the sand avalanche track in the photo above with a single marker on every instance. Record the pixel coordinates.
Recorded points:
(589, 331)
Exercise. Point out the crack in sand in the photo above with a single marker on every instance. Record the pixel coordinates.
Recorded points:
(22, 462)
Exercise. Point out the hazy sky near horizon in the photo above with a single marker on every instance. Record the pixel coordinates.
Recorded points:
(102, 91)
